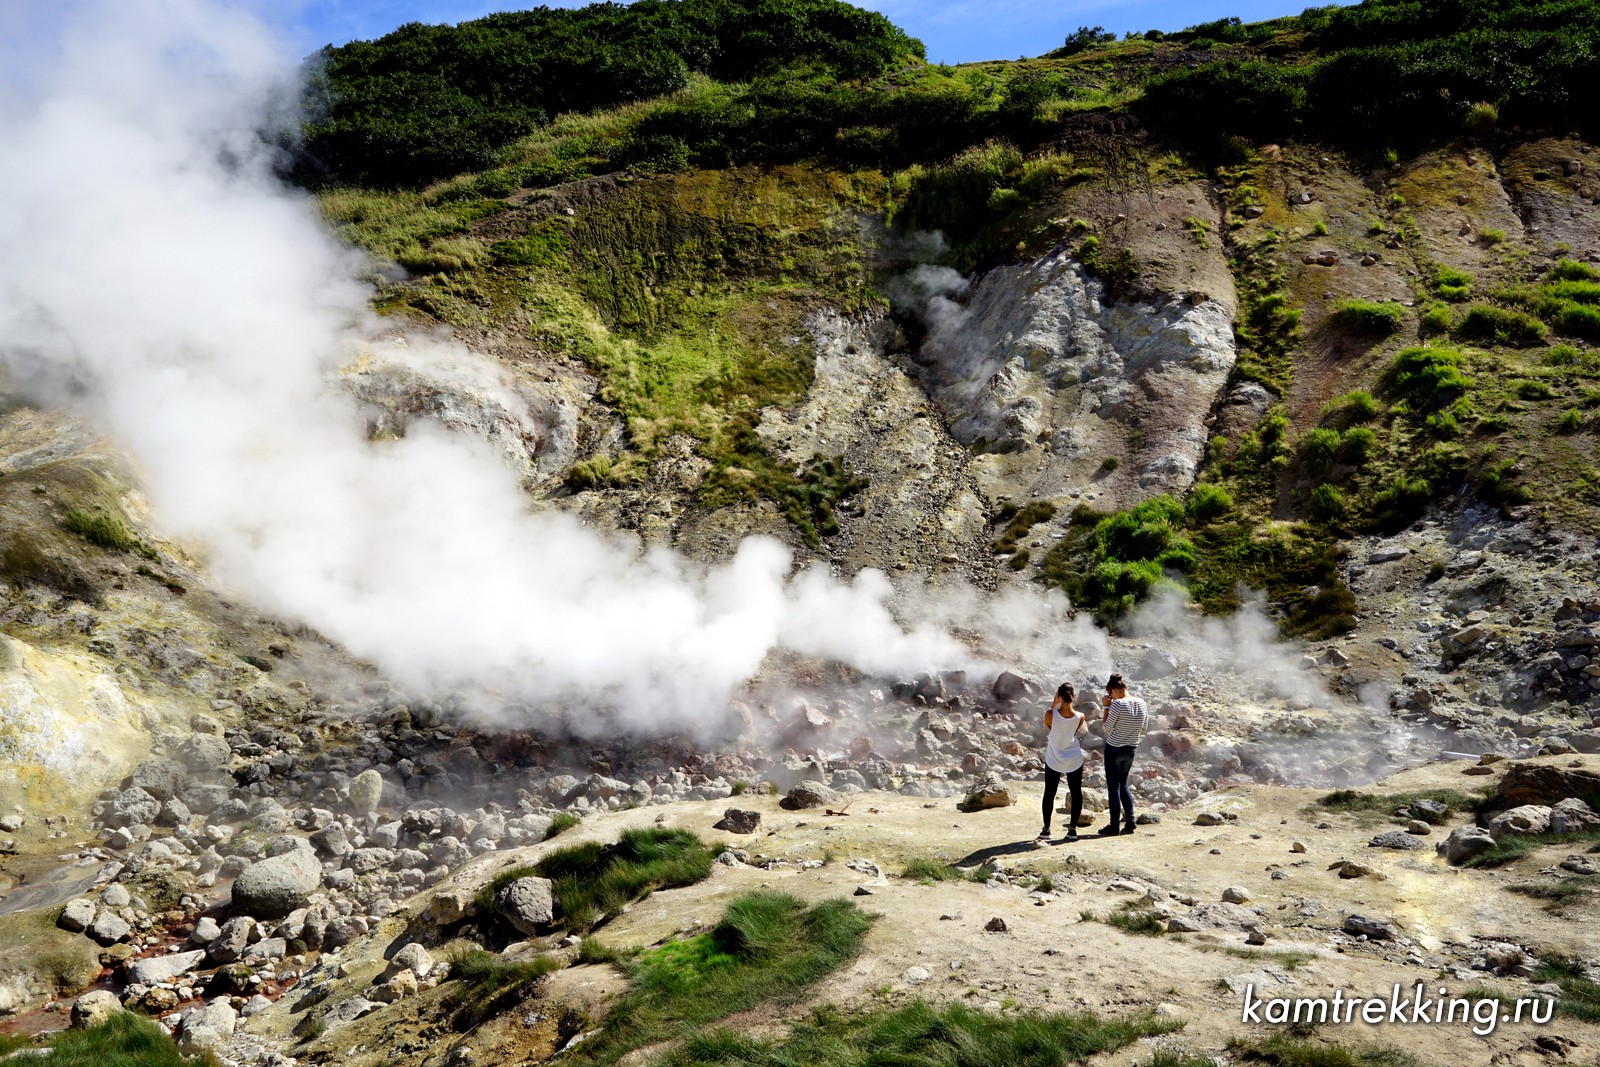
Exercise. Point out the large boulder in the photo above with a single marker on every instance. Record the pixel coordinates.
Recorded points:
(160, 777)
(1545, 783)
(133, 807)
(1009, 687)
(990, 791)
(1573, 815)
(94, 1008)
(204, 753)
(273, 887)
(1370, 928)
(412, 957)
(157, 969)
(1464, 843)
(1522, 821)
(739, 821)
(77, 915)
(812, 795)
(366, 792)
(1157, 663)
(526, 904)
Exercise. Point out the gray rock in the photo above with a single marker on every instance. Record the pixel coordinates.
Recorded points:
(270, 948)
(205, 931)
(133, 807)
(231, 940)
(411, 957)
(1396, 839)
(157, 969)
(1573, 815)
(204, 753)
(367, 860)
(108, 927)
(1157, 663)
(1182, 924)
(1009, 687)
(366, 792)
(811, 795)
(94, 1008)
(161, 778)
(348, 1011)
(1372, 929)
(526, 904)
(116, 895)
(1236, 894)
(77, 915)
(174, 812)
(1465, 842)
(989, 792)
(1521, 821)
(272, 888)
(10, 824)
(332, 840)
(738, 821)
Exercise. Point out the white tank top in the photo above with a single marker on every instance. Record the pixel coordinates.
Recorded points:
(1062, 752)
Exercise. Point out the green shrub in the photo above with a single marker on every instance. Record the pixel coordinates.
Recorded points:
(1209, 502)
(1571, 421)
(1368, 317)
(1358, 405)
(1496, 486)
(1452, 283)
(560, 824)
(1492, 236)
(1357, 445)
(1580, 320)
(1482, 117)
(1319, 228)
(1568, 270)
(1318, 449)
(1502, 326)
(1327, 503)
(1437, 319)
(1532, 389)
(594, 881)
(1401, 501)
(103, 529)
(1429, 375)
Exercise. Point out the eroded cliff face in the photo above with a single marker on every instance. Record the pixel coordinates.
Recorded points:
(1057, 388)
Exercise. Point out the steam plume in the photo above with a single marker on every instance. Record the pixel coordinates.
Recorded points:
(199, 309)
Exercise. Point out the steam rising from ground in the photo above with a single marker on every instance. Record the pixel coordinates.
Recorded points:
(154, 265)
(157, 276)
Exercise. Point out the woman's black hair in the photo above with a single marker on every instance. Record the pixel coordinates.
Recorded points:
(1116, 682)
(1066, 692)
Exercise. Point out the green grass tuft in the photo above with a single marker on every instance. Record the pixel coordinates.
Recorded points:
(1368, 317)
(920, 1034)
(483, 974)
(1281, 1050)
(105, 530)
(123, 1040)
(559, 825)
(591, 882)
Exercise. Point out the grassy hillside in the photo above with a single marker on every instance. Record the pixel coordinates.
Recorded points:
(673, 230)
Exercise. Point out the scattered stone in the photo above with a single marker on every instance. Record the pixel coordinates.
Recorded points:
(1418, 827)
(811, 795)
(1297, 846)
(272, 888)
(526, 904)
(1396, 839)
(989, 792)
(412, 957)
(1235, 894)
(996, 925)
(917, 975)
(108, 928)
(1010, 687)
(1522, 821)
(1182, 924)
(94, 1008)
(1465, 842)
(77, 915)
(451, 906)
(154, 970)
(366, 792)
(1255, 937)
(1370, 928)
(739, 821)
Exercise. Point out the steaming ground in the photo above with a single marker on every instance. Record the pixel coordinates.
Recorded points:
(161, 281)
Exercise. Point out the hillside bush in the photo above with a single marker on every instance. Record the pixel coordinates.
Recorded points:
(1319, 449)
(1209, 502)
(1428, 375)
(1368, 317)
(1502, 326)
(592, 881)
(1356, 406)
(1357, 445)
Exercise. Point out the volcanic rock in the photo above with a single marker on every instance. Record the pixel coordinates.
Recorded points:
(77, 915)
(94, 1008)
(272, 888)
(989, 792)
(526, 904)
(811, 795)
(738, 821)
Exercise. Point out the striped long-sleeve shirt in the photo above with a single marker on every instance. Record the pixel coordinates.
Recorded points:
(1125, 721)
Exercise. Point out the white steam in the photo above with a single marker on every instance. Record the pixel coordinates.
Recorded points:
(199, 310)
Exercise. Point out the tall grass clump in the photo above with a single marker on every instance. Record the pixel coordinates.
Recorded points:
(1368, 317)
(768, 948)
(592, 881)
(920, 1034)
(124, 1039)
(103, 529)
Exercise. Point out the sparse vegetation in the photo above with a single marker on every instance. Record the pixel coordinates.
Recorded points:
(920, 1034)
(560, 824)
(124, 1039)
(591, 881)
(485, 974)
(769, 948)
(1368, 317)
(106, 530)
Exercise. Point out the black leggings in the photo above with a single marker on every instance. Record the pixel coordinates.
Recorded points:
(1052, 779)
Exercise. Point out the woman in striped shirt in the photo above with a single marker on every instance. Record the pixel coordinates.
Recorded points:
(1124, 723)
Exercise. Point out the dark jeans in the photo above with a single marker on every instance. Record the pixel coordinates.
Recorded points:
(1119, 762)
(1052, 779)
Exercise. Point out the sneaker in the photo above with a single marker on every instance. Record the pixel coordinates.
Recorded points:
(1108, 831)
(1128, 828)
(1043, 833)
(1072, 836)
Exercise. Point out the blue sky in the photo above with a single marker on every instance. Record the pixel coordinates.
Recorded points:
(955, 31)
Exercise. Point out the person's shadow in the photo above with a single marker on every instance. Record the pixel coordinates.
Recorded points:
(1013, 848)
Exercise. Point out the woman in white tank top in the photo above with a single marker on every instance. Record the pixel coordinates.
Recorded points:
(1063, 757)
